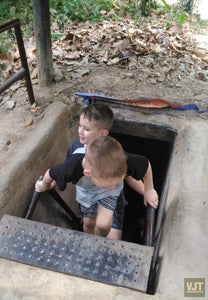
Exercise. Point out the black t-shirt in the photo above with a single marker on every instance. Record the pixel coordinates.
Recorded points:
(71, 169)
(136, 165)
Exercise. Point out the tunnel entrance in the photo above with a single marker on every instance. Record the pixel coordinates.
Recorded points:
(64, 250)
(156, 143)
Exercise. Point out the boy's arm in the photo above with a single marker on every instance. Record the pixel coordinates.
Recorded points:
(46, 184)
(69, 171)
(136, 185)
(139, 168)
(150, 194)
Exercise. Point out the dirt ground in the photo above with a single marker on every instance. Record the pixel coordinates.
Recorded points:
(181, 79)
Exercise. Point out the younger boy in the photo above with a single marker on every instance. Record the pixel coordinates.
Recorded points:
(97, 120)
(104, 165)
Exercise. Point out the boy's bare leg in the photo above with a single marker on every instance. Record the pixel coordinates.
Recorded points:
(89, 224)
(103, 221)
(115, 234)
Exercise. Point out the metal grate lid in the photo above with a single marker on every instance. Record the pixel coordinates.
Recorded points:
(75, 253)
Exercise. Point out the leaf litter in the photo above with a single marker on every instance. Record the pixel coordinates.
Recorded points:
(113, 58)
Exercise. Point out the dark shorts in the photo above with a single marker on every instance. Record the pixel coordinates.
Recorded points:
(112, 203)
(118, 216)
(109, 203)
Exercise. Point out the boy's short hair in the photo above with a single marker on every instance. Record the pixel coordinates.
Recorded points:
(106, 158)
(100, 113)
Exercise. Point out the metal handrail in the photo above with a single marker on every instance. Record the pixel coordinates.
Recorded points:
(149, 230)
(24, 71)
(35, 197)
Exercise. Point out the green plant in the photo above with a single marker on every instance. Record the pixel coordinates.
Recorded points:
(175, 13)
(10, 10)
(180, 16)
(66, 11)
(5, 42)
(78, 10)
(166, 5)
(188, 5)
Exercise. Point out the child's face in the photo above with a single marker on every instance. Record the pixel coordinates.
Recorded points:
(88, 130)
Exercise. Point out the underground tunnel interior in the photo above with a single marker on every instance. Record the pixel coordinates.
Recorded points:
(156, 143)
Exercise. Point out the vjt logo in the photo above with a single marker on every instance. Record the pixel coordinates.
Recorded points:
(194, 287)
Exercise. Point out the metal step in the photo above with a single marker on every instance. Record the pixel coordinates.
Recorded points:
(76, 253)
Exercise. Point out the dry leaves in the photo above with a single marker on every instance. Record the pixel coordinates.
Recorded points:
(114, 43)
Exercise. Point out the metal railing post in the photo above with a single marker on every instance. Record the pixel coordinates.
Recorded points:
(149, 226)
(24, 72)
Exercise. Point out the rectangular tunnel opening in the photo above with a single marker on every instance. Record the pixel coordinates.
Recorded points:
(156, 143)
(151, 140)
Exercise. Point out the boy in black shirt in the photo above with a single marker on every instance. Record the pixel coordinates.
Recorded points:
(99, 175)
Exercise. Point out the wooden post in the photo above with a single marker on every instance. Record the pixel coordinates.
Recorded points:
(143, 6)
(43, 41)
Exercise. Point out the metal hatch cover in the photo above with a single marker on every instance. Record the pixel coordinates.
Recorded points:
(76, 253)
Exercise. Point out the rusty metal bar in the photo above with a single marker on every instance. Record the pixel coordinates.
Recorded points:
(36, 195)
(16, 25)
(28, 215)
(8, 25)
(32, 205)
(24, 62)
(19, 75)
(63, 204)
(149, 226)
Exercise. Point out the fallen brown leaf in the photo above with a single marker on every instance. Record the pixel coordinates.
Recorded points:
(28, 122)
(199, 52)
(34, 73)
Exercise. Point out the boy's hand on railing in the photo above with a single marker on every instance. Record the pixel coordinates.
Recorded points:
(41, 186)
(151, 198)
(45, 183)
